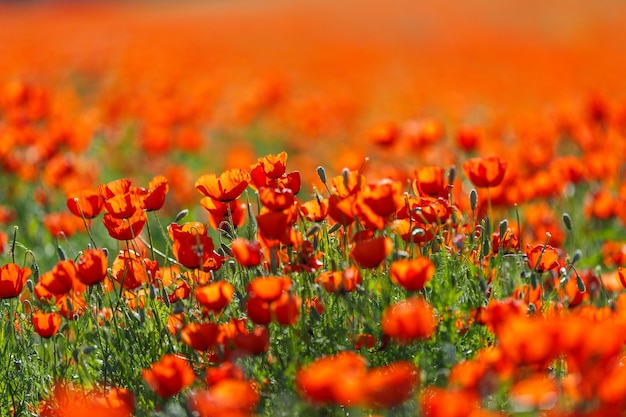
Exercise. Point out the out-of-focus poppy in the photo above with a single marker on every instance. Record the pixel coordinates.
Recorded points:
(227, 187)
(286, 308)
(200, 336)
(224, 370)
(371, 252)
(46, 324)
(86, 203)
(169, 376)
(486, 171)
(334, 281)
(247, 254)
(468, 138)
(384, 134)
(155, 197)
(215, 296)
(409, 320)
(391, 385)
(542, 257)
(534, 393)
(193, 247)
(74, 401)
(421, 133)
(442, 402)
(91, 266)
(412, 274)
(268, 288)
(229, 397)
(334, 379)
(61, 223)
(254, 342)
(125, 229)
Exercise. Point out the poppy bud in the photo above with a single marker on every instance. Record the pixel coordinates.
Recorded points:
(321, 172)
(473, 199)
(567, 220)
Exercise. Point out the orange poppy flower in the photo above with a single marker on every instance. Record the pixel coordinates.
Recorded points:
(116, 187)
(193, 247)
(219, 212)
(169, 376)
(71, 305)
(123, 206)
(132, 270)
(86, 203)
(391, 385)
(350, 183)
(429, 181)
(73, 401)
(268, 288)
(341, 210)
(409, 320)
(61, 279)
(276, 225)
(371, 252)
(125, 229)
(268, 168)
(200, 336)
(334, 379)
(315, 210)
(383, 197)
(215, 296)
(542, 257)
(412, 274)
(227, 187)
(91, 266)
(247, 254)
(46, 324)
(412, 232)
(485, 172)
(229, 397)
(155, 197)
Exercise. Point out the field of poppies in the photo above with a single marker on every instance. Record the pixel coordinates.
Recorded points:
(313, 209)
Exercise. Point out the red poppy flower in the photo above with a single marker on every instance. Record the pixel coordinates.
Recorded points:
(193, 248)
(169, 376)
(372, 252)
(252, 343)
(92, 266)
(85, 203)
(155, 197)
(216, 296)
(227, 187)
(485, 172)
(125, 229)
(383, 197)
(412, 274)
(276, 225)
(46, 324)
(542, 257)
(409, 320)
(429, 181)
